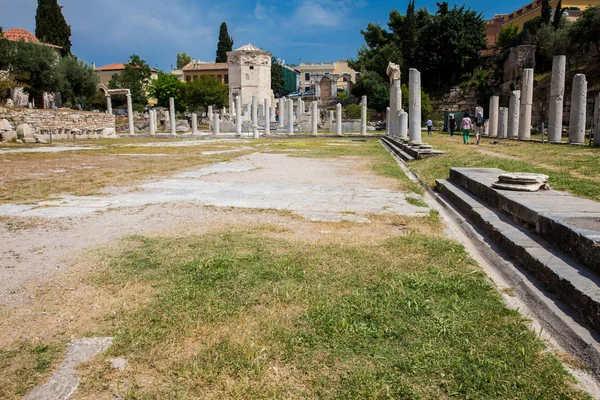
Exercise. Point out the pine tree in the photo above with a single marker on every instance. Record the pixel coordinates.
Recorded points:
(51, 26)
(225, 44)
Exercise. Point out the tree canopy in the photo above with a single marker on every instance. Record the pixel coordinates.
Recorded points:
(372, 85)
(225, 44)
(444, 46)
(277, 77)
(165, 87)
(33, 67)
(51, 26)
(75, 79)
(135, 77)
(587, 28)
(182, 60)
(205, 91)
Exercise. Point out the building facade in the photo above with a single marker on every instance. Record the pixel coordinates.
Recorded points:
(106, 72)
(518, 18)
(194, 70)
(249, 74)
(341, 67)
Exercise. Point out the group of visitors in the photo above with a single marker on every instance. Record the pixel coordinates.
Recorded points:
(466, 125)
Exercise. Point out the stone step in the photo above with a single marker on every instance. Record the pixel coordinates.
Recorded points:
(568, 280)
(570, 223)
(396, 149)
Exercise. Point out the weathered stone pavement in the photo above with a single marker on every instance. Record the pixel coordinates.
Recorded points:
(306, 187)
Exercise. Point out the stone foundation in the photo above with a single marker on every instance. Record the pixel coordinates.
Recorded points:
(62, 124)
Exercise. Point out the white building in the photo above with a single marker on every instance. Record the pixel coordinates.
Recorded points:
(249, 74)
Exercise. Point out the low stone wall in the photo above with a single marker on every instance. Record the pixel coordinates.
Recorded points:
(62, 124)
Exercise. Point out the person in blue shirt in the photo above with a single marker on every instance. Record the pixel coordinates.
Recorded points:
(429, 126)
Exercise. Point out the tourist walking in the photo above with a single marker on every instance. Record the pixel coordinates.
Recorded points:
(277, 114)
(452, 125)
(466, 125)
(479, 127)
(429, 126)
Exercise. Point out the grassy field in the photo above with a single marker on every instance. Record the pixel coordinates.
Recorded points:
(290, 309)
(575, 169)
(248, 315)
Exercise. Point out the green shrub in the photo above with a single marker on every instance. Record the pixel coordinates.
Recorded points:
(352, 111)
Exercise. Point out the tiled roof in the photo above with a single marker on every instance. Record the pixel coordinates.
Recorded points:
(116, 67)
(205, 66)
(111, 67)
(250, 47)
(17, 34)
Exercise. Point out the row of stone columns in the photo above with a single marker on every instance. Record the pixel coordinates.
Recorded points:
(519, 113)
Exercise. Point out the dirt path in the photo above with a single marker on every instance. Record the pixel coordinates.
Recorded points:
(39, 246)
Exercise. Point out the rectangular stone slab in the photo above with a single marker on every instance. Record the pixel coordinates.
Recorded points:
(550, 212)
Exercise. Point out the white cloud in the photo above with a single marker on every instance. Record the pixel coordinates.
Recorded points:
(325, 13)
(260, 11)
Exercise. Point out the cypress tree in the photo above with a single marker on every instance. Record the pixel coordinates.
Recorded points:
(558, 14)
(225, 44)
(51, 26)
(546, 12)
(409, 33)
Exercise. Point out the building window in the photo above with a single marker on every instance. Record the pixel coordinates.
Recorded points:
(307, 88)
(220, 78)
(307, 76)
(226, 79)
(252, 67)
(188, 78)
(195, 77)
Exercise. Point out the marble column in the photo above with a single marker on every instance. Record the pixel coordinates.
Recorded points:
(290, 115)
(403, 128)
(513, 114)
(503, 122)
(363, 116)
(109, 110)
(331, 120)
(194, 124)
(232, 107)
(217, 123)
(254, 111)
(387, 121)
(282, 102)
(314, 117)
(414, 110)
(526, 104)
(238, 116)
(557, 94)
(334, 93)
(299, 108)
(493, 116)
(210, 113)
(172, 121)
(596, 122)
(267, 108)
(130, 115)
(261, 111)
(395, 106)
(152, 122)
(578, 110)
(338, 119)
(273, 112)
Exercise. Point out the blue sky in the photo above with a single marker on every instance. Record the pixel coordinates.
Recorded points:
(108, 31)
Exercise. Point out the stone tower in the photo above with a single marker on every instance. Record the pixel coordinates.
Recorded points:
(249, 74)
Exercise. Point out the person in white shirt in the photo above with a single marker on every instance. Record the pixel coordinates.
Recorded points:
(429, 126)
